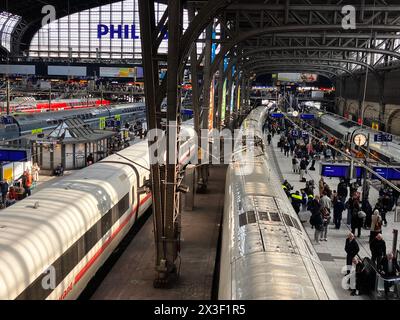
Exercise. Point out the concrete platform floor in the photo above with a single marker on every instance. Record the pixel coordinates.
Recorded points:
(132, 275)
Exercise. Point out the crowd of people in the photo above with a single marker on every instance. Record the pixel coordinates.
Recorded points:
(327, 206)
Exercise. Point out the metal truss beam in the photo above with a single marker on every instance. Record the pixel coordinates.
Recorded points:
(266, 70)
(300, 60)
(310, 65)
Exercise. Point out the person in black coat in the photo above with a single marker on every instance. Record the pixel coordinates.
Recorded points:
(315, 208)
(4, 190)
(356, 221)
(318, 222)
(338, 208)
(367, 208)
(389, 268)
(378, 249)
(342, 190)
(351, 249)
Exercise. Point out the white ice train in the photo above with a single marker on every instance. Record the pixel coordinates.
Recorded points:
(348, 130)
(52, 243)
(265, 251)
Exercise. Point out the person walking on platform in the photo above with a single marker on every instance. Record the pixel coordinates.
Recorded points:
(378, 249)
(342, 190)
(269, 138)
(356, 220)
(318, 223)
(295, 165)
(27, 182)
(338, 208)
(326, 218)
(351, 249)
(358, 269)
(376, 225)
(366, 207)
(4, 191)
(389, 269)
(326, 202)
(286, 148)
(381, 209)
(303, 168)
(321, 185)
(35, 173)
(315, 208)
(282, 141)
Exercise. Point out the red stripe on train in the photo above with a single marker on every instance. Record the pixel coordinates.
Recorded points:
(106, 244)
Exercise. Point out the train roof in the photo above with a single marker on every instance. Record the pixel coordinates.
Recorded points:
(44, 116)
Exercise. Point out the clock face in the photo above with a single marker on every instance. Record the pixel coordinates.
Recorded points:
(360, 139)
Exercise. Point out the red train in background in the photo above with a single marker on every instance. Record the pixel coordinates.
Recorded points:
(30, 105)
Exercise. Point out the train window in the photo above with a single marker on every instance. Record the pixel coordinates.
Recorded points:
(106, 223)
(246, 218)
(263, 216)
(251, 217)
(296, 224)
(123, 205)
(274, 216)
(242, 220)
(91, 237)
(288, 221)
(70, 259)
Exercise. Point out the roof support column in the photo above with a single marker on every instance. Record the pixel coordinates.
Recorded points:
(151, 80)
(221, 98)
(229, 86)
(172, 223)
(382, 103)
(194, 74)
(205, 111)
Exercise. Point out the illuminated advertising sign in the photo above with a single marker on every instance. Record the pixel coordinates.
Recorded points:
(223, 101)
(17, 69)
(67, 71)
(119, 72)
(297, 77)
(211, 110)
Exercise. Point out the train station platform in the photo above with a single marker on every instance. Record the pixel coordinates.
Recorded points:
(131, 278)
(331, 252)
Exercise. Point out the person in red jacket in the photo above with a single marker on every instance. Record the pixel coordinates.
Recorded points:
(27, 182)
